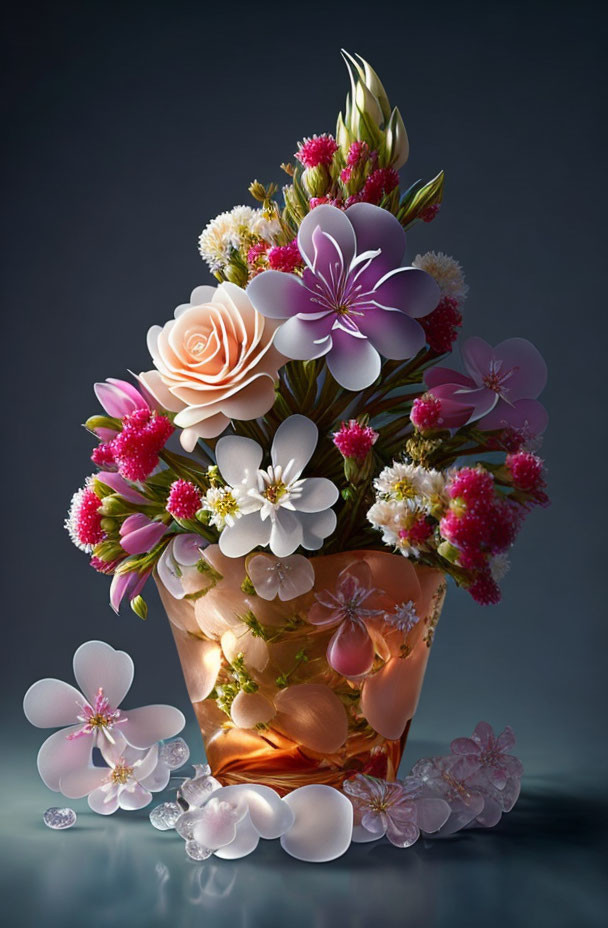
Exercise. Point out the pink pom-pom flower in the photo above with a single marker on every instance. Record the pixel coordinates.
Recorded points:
(320, 149)
(184, 500)
(354, 440)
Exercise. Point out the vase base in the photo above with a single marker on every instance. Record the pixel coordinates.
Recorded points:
(278, 762)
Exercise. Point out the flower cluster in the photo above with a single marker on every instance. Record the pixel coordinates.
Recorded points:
(307, 390)
(136, 764)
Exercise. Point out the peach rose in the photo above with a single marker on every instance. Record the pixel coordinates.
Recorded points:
(214, 362)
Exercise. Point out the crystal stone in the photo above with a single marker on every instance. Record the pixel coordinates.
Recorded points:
(175, 753)
(59, 818)
(165, 815)
(196, 851)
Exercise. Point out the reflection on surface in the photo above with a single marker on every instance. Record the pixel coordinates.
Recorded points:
(540, 866)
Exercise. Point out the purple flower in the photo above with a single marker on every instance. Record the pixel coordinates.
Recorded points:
(439, 776)
(354, 300)
(500, 388)
(382, 808)
(488, 753)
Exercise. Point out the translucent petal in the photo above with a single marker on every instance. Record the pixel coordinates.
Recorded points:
(97, 664)
(323, 823)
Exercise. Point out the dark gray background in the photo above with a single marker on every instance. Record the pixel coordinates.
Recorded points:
(129, 126)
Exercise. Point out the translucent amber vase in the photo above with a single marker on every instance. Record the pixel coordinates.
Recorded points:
(270, 707)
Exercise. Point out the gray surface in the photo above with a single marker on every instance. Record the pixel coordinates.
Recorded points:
(131, 125)
(541, 866)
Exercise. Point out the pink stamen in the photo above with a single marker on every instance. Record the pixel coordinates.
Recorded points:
(98, 717)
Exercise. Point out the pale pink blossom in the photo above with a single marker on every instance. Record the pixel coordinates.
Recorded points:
(104, 676)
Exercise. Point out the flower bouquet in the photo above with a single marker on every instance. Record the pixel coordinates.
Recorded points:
(299, 472)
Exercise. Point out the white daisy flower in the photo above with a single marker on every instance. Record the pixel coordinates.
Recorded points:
(446, 271)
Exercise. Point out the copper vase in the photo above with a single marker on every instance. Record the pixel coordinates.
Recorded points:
(260, 664)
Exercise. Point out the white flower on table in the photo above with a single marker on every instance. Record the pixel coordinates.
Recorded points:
(277, 507)
(91, 718)
(126, 783)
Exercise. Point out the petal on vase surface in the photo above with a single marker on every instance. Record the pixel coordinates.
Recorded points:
(59, 756)
(390, 696)
(313, 716)
(201, 661)
(362, 836)
(51, 703)
(351, 650)
(144, 726)
(245, 841)
(323, 823)
(251, 709)
(253, 648)
(270, 815)
(98, 665)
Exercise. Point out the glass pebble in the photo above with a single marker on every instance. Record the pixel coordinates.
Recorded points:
(196, 851)
(175, 753)
(58, 819)
(165, 815)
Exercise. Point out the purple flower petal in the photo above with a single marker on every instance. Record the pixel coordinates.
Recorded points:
(303, 339)
(120, 485)
(332, 221)
(393, 334)
(278, 295)
(377, 228)
(477, 356)
(529, 370)
(464, 746)
(436, 376)
(527, 415)
(351, 650)
(409, 289)
(353, 362)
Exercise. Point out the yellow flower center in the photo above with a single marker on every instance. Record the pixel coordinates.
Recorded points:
(275, 491)
(404, 489)
(225, 505)
(121, 773)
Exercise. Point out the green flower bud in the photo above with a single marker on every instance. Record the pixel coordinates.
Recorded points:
(236, 274)
(109, 525)
(397, 142)
(139, 607)
(316, 180)
(102, 422)
(449, 552)
(113, 506)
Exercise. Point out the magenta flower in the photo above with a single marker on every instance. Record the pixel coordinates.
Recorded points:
(354, 300)
(127, 583)
(382, 808)
(350, 606)
(500, 388)
(118, 398)
(486, 752)
(139, 534)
